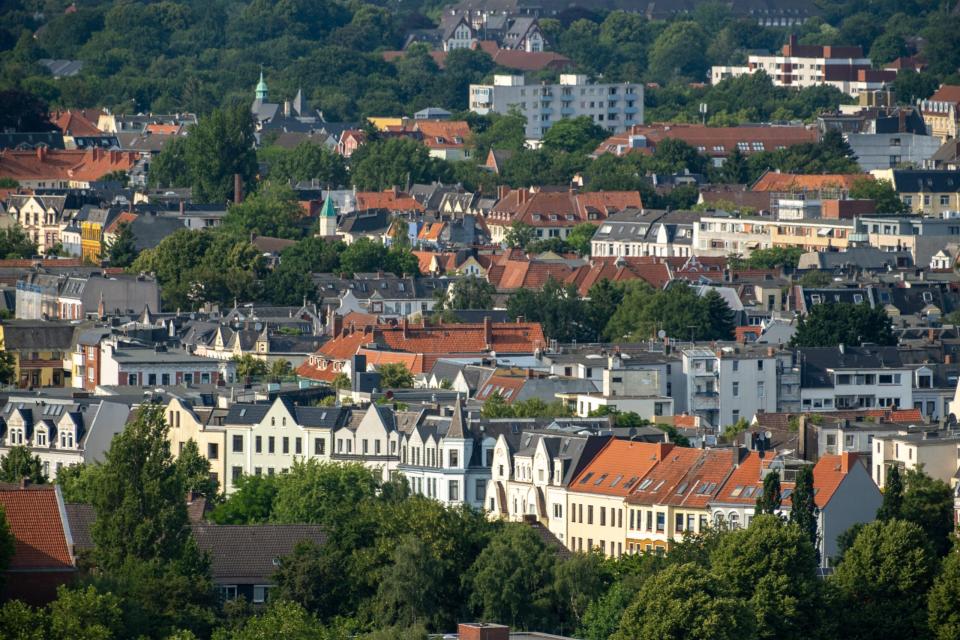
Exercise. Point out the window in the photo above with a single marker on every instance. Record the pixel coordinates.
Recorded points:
(42, 439)
(213, 451)
(944, 201)
(258, 444)
(453, 490)
(319, 445)
(366, 446)
(480, 490)
(603, 516)
(736, 365)
(736, 389)
(760, 387)
(235, 474)
(227, 592)
(759, 365)
(261, 593)
(298, 446)
(286, 444)
(271, 444)
(589, 514)
(454, 458)
(237, 444)
(661, 522)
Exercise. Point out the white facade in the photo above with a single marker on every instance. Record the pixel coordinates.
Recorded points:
(861, 389)
(938, 454)
(616, 107)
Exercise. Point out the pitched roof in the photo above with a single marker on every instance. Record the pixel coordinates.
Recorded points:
(619, 466)
(73, 123)
(41, 164)
(251, 553)
(40, 533)
(711, 141)
(391, 200)
(443, 134)
(773, 181)
(946, 93)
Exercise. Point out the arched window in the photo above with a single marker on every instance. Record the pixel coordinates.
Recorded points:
(734, 520)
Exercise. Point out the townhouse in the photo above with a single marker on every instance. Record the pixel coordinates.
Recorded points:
(844, 495)
(43, 218)
(937, 452)
(203, 425)
(844, 377)
(727, 384)
(60, 431)
(63, 169)
(932, 192)
(41, 351)
(717, 235)
(646, 232)
(941, 112)
(125, 362)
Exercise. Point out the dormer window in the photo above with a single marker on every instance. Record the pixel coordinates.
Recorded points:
(66, 440)
(40, 439)
(16, 435)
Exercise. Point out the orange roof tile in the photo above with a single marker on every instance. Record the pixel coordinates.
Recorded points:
(946, 93)
(34, 517)
(390, 199)
(126, 217)
(443, 134)
(74, 123)
(166, 129)
(772, 181)
(714, 141)
(506, 385)
(527, 274)
(44, 164)
(828, 473)
(619, 466)
(431, 231)
(666, 478)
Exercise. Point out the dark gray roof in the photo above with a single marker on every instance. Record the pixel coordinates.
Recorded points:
(816, 362)
(81, 517)
(251, 553)
(62, 68)
(932, 181)
(246, 413)
(39, 336)
(25, 141)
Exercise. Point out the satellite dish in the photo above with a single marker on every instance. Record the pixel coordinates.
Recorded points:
(661, 334)
(768, 435)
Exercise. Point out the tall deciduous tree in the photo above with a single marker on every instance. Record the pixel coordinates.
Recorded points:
(831, 324)
(123, 250)
(272, 211)
(943, 599)
(803, 508)
(218, 147)
(685, 601)
(892, 505)
(512, 579)
(395, 375)
(928, 503)
(196, 471)
(472, 292)
(883, 582)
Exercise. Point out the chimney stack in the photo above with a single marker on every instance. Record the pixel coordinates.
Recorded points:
(487, 332)
(41, 153)
(845, 462)
(237, 188)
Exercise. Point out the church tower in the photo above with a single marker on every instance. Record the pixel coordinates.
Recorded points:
(261, 89)
(327, 222)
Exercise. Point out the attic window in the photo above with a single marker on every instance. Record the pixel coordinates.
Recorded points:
(536, 216)
(748, 491)
(600, 480)
(644, 484)
(243, 412)
(553, 216)
(586, 478)
(630, 482)
(737, 490)
(682, 488)
(927, 297)
(616, 481)
(570, 216)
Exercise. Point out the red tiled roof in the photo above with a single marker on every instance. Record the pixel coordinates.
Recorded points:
(443, 134)
(666, 477)
(946, 93)
(828, 473)
(507, 386)
(74, 123)
(526, 274)
(44, 164)
(166, 129)
(530, 60)
(714, 141)
(390, 199)
(624, 459)
(772, 181)
(34, 517)
(560, 208)
(431, 231)
(125, 217)
(655, 273)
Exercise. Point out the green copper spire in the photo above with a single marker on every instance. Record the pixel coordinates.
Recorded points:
(261, 88)
(327, 211)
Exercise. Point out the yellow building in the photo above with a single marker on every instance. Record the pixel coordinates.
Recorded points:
(596, 507)
(203, 425)
(42, 352)
(941, 112)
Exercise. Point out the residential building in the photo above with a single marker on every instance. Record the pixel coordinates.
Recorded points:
(203, 425)
(717, 143)
(843, 492)
(135, 364)
(646, 232)
(801, 66)
(928, 192)
(623, 389)
(244, 558)
(846, 377)
(731, 383)
(42, 218)
(941, 112)
(41, 351)
(266, 439)
(717, 235)
(43, 556)
(459, 34)
(612, 106)
(921, 236)
(937, 452)
(61, 432)
(69, 169)
(890, 150)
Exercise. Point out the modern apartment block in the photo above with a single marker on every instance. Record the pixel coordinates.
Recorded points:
(614, 106)
(796, 65)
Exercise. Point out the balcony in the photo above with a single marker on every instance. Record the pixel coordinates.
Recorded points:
(631, 109)
(546, 111)
(568, 111)
(706, 401)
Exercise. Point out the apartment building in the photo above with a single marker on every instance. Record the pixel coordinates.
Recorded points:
(646, 232)
(723, 236)
(801, 66)
(203, 425)
(625, 390)
(843, 492)
(731, 383)
(938, 452)
(843, 377)
(614, 106)
(128, 363)
(931, 192)
(941, 112)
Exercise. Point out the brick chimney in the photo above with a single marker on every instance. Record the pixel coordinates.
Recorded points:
(41, 153)
(487, 333)
(663, 448)
(482, 631)
(403, 327)
(845, 462)
(503, 191)
(25, 482)
(522, 195)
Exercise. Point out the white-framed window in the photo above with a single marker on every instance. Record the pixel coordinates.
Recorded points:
(261, 593)
(227, 592)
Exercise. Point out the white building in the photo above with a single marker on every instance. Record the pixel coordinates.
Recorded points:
(842, 377)
(625, 390)
(937, 451)
(616, 106)
(726, 385)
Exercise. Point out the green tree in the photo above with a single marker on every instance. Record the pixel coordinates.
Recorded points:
(313, 577)
(720, 318)
(394, 162)
(678, 52)
(881, 192)
(580, 237)
(15, 244)
(340, 381)
(8, 366)
(250, 503)
(684, 602)
(557, 307)
(408, 593)
(171, 167)
(843, 323)
(883, 580)
(123, 250)
(307, 161)
(363, 256)
(574, 135)
(512, 579)
(19, 464)
(273, 211)
(892, 506)
(20, 621)
(86, 614)
(282, 619)
(579, 581)
(943, 615)
(321, 493)
(803, 507)
(769, 501)
(218, 147)
(928, 503)
(249, 366)
(395, 375)
(281, 369)
(772, 566)
(471, 292)
(815, 279)
(196, 471)
(519, 235)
